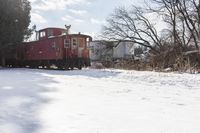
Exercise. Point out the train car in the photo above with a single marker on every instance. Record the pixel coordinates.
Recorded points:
(55, 47)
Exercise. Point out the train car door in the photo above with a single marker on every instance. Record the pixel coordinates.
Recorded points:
(66, 52)
(81, 46)
(74, 46)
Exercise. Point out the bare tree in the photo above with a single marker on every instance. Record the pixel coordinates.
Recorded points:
(183, 16)
(181, 34)
(132, 25)
(167, 9)
(190, 11)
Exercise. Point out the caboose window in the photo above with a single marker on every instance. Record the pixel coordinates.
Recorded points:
(42, 34)
(66, 43)
(74, 41)
(88, 42)
(81, 42)
(50, 32)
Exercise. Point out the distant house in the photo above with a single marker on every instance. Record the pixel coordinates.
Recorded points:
(109, 50)
(97, 49)
(123, 50)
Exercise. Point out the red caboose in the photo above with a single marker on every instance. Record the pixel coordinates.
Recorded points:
(55, 47)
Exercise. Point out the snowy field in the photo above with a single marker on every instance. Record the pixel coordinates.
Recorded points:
(98, 101)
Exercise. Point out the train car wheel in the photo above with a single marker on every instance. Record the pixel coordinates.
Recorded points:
(79, 64)
(66, 66)
(80, 67)
(72, 67)
(71, 64)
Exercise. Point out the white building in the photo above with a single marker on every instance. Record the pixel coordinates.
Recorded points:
(108, 50)
(123, 50)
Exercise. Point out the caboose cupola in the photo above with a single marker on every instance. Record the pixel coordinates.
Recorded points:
(50, 32)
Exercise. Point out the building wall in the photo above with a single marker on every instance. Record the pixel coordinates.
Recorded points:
(98, 50)
(124, 50)
(95, 50)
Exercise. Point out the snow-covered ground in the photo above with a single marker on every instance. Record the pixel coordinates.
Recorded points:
(98, 101)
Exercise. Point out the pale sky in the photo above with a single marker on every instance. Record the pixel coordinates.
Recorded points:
(85, 16)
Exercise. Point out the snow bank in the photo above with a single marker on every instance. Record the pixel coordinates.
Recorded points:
(98, 101)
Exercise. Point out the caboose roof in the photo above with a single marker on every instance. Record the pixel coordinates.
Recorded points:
(52, 28)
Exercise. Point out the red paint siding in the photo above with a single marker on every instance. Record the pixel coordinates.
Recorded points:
(52, 48)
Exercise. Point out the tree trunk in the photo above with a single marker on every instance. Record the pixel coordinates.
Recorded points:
(2, 58)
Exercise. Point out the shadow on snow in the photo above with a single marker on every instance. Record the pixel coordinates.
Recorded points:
(21, 97)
